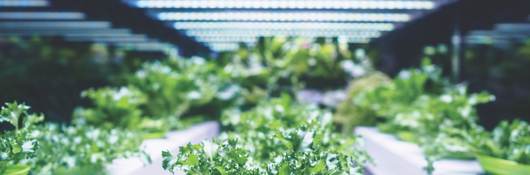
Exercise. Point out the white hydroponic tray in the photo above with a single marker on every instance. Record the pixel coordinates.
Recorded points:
(154, 148)
(392, 156)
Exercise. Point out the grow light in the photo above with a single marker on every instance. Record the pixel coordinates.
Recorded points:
(87, 35)
(288, 4)
(147, 46)
(284, 26)
(284, 16)
(23, 3)
(245, 39)
(108, 39)
(41, 16)
(128, 36)
(25, 32)
(223, 46)
(54, 25)
(305, 33)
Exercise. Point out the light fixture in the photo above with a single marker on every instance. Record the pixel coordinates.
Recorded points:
(41, 16)
(315, 16)
(54, 25)
(223, 46)
(288, 4)
(108, 39)
(221, 39)
(260, 32)
(284, 26)
(23, 3)
(59, 32)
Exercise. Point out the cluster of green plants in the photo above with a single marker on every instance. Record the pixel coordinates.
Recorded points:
(278, 136)
(320, 64)
(509, 141)
(158, 94)
(422, 107)
(29, 146)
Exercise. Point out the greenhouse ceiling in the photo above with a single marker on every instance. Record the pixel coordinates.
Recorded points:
(218, 24)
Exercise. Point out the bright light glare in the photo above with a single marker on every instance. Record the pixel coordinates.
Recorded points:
(306, 33)
(284, 16)
(288, 4)
(284, 26)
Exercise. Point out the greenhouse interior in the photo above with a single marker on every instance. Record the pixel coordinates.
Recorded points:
(265, 87)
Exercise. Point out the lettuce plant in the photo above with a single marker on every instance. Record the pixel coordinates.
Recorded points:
(112, 107)
(277, 137)
(82, 149)
(509, 141)
(54, 149)
(19, 144)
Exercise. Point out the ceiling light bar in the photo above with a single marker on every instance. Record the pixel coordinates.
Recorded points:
(284, 26)
(223, 46)
(23, 3)
(54, 25)
(107, 39)
(147, 46)
(226, 39)
(41, 16)
(288, 4)
(129, 36)
(101, 32)
(307, 33)
(285, 16)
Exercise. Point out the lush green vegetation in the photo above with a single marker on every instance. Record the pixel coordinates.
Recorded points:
(58, 149)
(277, 137)
(421, 106)
(266, 131)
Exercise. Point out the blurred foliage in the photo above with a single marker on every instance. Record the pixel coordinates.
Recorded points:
(508, 141)
(49, 74)
(348, 115)
(320, 64)
(112, 108)
(499, 68)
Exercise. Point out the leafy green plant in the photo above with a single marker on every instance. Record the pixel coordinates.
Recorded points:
(509, 141)
(112, 107)
(55, 149)
(173, 88)
(82, 149)
(420, 106)
(19, 144)
(348, 115)
(277, 137)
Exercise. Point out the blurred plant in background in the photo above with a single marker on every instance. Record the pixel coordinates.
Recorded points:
(49, 74)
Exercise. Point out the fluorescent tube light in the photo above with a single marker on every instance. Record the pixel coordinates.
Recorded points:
(314, 16)
(284, 26)
(41, 16)
(288, 4)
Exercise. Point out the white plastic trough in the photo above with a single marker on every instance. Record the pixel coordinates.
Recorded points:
(154, 148)
(392, 156)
